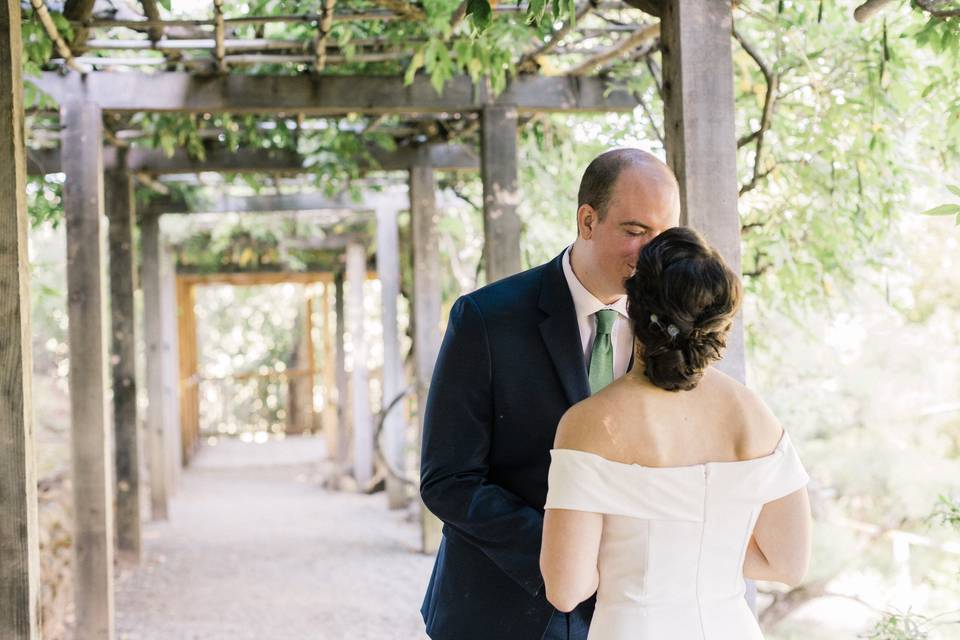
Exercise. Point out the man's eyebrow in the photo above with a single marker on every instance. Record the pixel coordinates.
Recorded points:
(636, 223)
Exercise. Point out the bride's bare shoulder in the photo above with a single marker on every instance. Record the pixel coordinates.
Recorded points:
(760, 430)
(574, 430)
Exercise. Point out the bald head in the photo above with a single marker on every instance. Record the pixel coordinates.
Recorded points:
(600, 178)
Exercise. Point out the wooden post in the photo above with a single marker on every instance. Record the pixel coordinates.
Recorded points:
(501, 225)
(700, 138)
(153, 339)
(120, 211)
(343, 383)
(187, 350)
(356, 255)
(328, 375)
(19, 543)
(311, 379)
(170, 357)
(82, 162)
(426, 309)
(394, 427)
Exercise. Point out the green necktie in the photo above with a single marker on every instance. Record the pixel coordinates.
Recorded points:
(601, 358)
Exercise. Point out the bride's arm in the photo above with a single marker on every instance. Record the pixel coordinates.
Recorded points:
(568, 557)
(779, 548)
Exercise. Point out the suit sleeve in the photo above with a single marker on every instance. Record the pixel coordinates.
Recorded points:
(454, 465)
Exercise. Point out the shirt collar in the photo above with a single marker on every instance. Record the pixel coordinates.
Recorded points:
(584, 302)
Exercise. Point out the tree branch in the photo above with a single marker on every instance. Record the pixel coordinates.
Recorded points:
(40, 7)
(769, 100)
(930, 6)
(869, 9)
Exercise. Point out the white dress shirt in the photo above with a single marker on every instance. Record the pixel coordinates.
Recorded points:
(586, 305)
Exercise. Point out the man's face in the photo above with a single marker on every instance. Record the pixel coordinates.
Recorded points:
(642, 204)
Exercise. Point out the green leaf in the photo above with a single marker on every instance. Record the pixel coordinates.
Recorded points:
(954, 189)
(481, 13)
(415, 64)
(943, 210)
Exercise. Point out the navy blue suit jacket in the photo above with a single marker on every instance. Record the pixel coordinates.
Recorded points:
(510, 365)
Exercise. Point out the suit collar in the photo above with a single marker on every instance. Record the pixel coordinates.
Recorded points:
(560, 332)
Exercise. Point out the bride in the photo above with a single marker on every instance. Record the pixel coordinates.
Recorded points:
(674, 483)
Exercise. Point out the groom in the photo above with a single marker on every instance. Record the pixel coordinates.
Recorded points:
(516, 355)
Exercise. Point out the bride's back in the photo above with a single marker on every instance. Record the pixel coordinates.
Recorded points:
(634, 422)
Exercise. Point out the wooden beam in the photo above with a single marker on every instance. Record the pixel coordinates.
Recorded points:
(86, 309)
(701, 141)
(501, 195)
(265, 204)
(403, 8)
(443, 157)
(256, 278)
(19, 536)
(327, 95)
(394, 426)
(120, 211)
(426, 310)
(150, 252)
(650, 7)
(302, 18)
(362, 423)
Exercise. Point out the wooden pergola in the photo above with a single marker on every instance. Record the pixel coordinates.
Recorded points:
(693, 37)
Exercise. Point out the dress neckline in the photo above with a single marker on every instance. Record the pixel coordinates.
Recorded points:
(781, 443)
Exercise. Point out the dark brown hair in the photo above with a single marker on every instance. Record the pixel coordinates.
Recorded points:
(681, 300)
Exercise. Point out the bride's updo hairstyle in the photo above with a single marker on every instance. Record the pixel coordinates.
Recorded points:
(681, 301)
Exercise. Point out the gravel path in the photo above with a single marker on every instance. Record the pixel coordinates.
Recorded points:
(256, 549)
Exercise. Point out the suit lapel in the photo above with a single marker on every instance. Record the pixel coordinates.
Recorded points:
(561, 334)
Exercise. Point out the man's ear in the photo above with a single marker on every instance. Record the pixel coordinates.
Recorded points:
(586, 220)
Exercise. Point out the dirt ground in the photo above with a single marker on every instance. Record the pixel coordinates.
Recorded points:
(256, 549)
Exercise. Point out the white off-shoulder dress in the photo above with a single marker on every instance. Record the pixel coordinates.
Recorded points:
(674, 539)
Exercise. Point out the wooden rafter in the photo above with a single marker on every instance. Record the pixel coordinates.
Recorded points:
(646, 35)
(530, 61)
(402, 8)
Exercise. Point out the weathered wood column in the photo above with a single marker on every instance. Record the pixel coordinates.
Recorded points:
(700, 138)
(328, 373)
(426, 306)
(82, 162)
(150, 252)
(342, 381)
(501, 195)
(394, 427)
(120, 212)
(170, 357)
(356, 257)
(19, 544)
